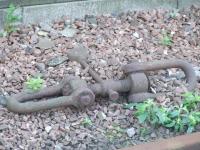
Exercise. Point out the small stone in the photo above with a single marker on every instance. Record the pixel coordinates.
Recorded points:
(34, 39)
(101, 115)
(77, 71)
(28, 50)
(170, 73)
(58, 146)
(78, 53)
(179, 90)
(40, 67)
(45, 26)
(130, 132)
(3, 100)
(165, 52)
(113, 61)
(135, 34)
(68, 22)
(57, 60)
(102, 62)
(2, 57)
(3, 127)
(180, 75)
(45, 43)
(177, 83)
(91, 19)
(37, 52)
(153, 135)
(69, 32)
(48, 129)
(42, 33)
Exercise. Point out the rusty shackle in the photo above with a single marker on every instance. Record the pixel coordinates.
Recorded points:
(73, 91)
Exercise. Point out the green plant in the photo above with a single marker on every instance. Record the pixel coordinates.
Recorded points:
(10, 19)
(191, 100)
(179, 118)
(176, 115)
(173, 14)
(114, 133)
(86, 122)
(144, 131)
(151, 113)
(193, 119)
(34, 84)
(182, 119)
(166, 40)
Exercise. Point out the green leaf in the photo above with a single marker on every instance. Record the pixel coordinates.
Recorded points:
(10, 19)
(35, 83)
(174, 113)
(142, 117)
(166, 40)
(162, 117)
(190, 129)
(141, 107)
(169, 125)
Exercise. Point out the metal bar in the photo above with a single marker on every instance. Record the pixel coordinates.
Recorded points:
(5, 3)
(184, 142)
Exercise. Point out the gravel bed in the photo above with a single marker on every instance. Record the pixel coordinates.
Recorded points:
(113, 41)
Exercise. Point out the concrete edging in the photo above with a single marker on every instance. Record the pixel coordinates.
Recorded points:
(78, 9)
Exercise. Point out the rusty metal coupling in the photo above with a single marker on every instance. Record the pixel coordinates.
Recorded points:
(73, 91)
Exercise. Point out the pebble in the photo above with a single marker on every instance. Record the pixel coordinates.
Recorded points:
(45, 43)
(101, 115)
(135, 34)
(57, 60)
(2, 57)
(3, 100)
(130, 132)
(40, 67)
(45, 27)
(42, 33)
(37, 52)
(68, 32)
(3, 127)
(153, 135)
(103, 62)
(29, 50)
(59, 146)
(91, 19)
(48, 129)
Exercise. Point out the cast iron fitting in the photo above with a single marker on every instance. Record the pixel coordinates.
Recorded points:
(164, 64)
(73, 91)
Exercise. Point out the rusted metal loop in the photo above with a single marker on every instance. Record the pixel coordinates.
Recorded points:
(165, 64)
(79, 96)
(15, 105)
(23, 102)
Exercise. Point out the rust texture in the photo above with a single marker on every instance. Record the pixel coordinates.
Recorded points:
(184, 142)
(73, 91)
